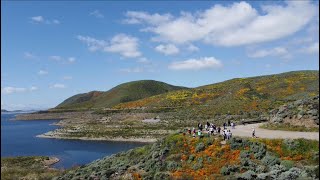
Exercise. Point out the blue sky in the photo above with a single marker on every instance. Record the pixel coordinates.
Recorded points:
(53, 50)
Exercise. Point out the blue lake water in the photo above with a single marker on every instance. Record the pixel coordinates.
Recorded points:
(18, 139)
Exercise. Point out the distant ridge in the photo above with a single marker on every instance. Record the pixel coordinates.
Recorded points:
(122, 93)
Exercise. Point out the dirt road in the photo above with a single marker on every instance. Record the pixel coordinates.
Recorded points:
(246, 131)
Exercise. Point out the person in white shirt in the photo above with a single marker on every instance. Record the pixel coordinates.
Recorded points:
(253, 132)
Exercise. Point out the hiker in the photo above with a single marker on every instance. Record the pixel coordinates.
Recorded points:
(189, 131)
(208, 124)
(224, 125)
(228, 122)
(200, 127)
(232, 125)
(206, 127)
(199, 134)
(219, 129)
(211, 130)
(229, 134)
(224, 134)
(253, 132)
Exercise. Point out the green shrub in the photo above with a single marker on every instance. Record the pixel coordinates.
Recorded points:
(200, 147)
(287, 164)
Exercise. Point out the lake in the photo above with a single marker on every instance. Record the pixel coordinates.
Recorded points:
(18, 139)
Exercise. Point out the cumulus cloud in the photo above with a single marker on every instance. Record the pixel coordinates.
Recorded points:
(167, 49)
(12, 90)
(42, 20)
(125, 45)
(97, 14)
(229, 25)
(277, 51)
(43, 72)
(58, 86)
(136, 17)
(196, 64)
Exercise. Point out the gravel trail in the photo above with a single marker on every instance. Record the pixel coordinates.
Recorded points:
(246, 130)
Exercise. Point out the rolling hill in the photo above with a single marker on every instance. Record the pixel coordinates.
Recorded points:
(237, 96)
(122, 93)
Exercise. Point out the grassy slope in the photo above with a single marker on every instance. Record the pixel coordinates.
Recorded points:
(28, 167)
(122, 93)
(238, 95)
(184, 157)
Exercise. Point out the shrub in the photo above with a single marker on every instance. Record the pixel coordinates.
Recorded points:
(172, 165)
(270, 160)
(287, 164)
(293, 173)
(200, 147)
(248, 175)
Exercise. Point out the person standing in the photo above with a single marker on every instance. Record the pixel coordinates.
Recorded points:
(253, 132)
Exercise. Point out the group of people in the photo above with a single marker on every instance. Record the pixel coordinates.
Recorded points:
(211, 129)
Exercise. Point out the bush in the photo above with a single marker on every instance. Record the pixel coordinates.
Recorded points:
(200, 147)
(293, 173)
(287, 164)
(172, 165)
(270, 160)
(248, 175)
(161, 176)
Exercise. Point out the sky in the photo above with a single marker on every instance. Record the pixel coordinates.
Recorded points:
(53, 50)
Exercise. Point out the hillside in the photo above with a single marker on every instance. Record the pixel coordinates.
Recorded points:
(126, 92)
(180, 156)
(237, 96)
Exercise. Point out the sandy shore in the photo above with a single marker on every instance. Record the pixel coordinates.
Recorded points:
(120, 139)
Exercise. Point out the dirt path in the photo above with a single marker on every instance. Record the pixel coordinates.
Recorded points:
(246, 131)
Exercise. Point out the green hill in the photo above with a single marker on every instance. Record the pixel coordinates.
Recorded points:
(122, 93)
(237, 96)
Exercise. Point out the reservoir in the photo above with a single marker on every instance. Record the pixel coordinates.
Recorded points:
(18, 139)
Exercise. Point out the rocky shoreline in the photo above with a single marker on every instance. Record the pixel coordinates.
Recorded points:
(119, 139)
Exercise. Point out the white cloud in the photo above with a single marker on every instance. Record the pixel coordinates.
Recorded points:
(67, 77)
(132, 70)
(135, 17)
(42, 20)
(29, 55)
(43, 72)
(97, 14)
(196, 64)
(37, 19)
(33, 88)
(56, 21)
(56, 58)
(71, 59)
(58, 86)
(125, 45)
(311, 49)
(192, 48)
(11, 90)
(143, 60)
(231, 25)
(168, 49)
(277, 51)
